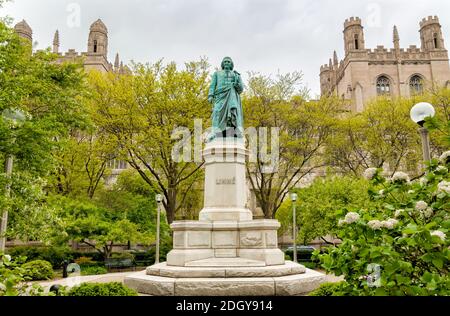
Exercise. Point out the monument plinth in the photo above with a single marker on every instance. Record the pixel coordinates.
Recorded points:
(226, 228)
(225, 252)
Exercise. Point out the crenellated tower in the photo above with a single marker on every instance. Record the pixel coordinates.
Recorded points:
(364, 74)
(431, 34)
(353, 35)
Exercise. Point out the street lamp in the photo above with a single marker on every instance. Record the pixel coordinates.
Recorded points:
(294, 197)
(159, 199)
(15, 118)
(419, 113)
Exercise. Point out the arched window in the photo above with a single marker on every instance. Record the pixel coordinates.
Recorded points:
(416, 85)
(356, 41)
(436, 40)
(383, 86)
(95, 46)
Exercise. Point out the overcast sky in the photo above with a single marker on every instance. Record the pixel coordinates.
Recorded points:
(260, 35)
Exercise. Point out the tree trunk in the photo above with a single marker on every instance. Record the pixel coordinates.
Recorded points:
(171, 204)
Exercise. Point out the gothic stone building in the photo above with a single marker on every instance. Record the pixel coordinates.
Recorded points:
(366, 73)
(96, 58)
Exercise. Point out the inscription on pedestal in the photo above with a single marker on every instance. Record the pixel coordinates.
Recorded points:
(226, 181)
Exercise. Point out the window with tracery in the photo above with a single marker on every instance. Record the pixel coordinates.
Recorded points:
(383, 86)
(416, 85)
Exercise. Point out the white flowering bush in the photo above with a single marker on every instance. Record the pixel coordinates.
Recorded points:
(13, 279)
(400, 246)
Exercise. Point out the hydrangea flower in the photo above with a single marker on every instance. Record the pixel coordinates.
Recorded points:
(370, 173)
(423, 181)
(421, 206)
(375, 224)
(444, 186)
(390, 223)
(442, 169)
(439, 234)
(399, 213)
(8, 258)
(381, 192)
(445, 157)
(400, 177)
(351, 217)
(428, 212)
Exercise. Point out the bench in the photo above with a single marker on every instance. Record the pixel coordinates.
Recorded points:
(119, 263)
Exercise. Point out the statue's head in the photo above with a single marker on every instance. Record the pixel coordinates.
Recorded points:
(227, 64)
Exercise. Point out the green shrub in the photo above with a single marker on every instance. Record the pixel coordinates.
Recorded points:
(101, 289)
(93, 270)
(328, 289)
(399, 247)
(95, 256)
(54, 255)
(145, 258)
(122, 255)
(87, 262)
(287, 257)
(38, 270)
(309, 265)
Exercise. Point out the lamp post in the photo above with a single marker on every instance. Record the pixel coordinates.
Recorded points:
(159, 199)
(15, 119)
(419, 113)
(294, 223)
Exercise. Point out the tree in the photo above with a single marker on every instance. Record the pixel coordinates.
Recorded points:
(304, 128)
(82, 163)
(49, 95)
(140, 111)
(318, 203)
(97, 227)
(439, 125)
(382, 134)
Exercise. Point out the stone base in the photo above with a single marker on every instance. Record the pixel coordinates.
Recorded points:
(225, 269)
(251, 240)
(290, 279)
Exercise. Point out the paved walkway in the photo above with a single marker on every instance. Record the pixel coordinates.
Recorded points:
(119, 277)
(76, 280)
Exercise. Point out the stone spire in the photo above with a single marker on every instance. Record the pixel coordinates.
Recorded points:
(330, 64)
(335, 59)
(117, 62)
(396, 38)
(56, 42)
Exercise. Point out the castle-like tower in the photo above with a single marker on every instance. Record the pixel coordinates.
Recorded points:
(96, 57)
(366, 73)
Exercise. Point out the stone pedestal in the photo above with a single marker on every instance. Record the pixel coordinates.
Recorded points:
(225, 185)
(226, 252)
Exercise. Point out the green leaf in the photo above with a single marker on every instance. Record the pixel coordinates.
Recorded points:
(438, 263)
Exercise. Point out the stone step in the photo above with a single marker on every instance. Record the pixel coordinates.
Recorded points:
(226, 262)
(163, 270)
(290, 285)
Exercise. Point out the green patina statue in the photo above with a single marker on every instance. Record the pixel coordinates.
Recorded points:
(224, 94)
